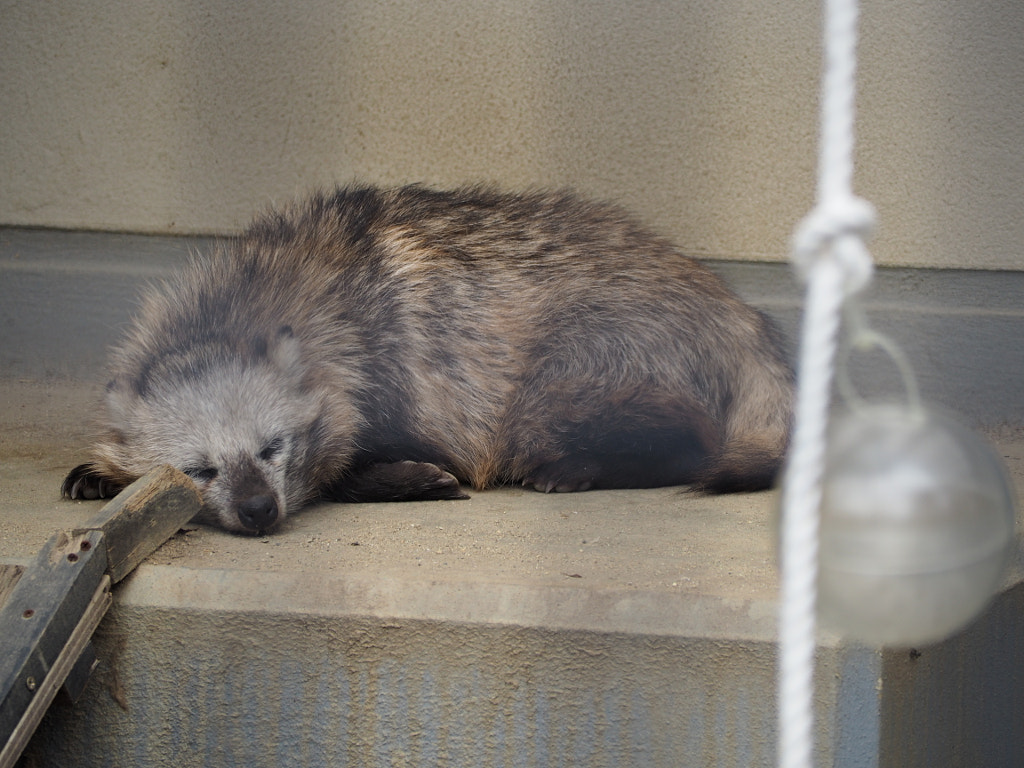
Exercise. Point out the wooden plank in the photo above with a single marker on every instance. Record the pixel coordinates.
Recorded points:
(45, 690)
(41, 615)
(143, 516)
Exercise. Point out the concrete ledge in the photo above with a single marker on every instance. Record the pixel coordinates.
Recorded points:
(458, 600)
(606, 629)
(600, 629)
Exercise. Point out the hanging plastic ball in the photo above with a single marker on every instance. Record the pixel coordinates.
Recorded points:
(917, 526)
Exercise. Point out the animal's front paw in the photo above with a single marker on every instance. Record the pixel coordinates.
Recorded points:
(86, 482)
(400, 481)
(566, 475)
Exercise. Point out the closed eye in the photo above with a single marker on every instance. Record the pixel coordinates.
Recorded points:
(271, 449)
(201, 474)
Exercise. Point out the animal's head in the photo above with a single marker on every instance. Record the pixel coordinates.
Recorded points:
(245, 425)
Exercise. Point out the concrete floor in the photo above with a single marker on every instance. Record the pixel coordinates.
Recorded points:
(715, 556)
(712, 558)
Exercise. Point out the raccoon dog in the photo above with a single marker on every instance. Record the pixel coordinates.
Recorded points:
(385, 344)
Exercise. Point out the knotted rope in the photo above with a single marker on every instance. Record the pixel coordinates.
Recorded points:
(829, 253)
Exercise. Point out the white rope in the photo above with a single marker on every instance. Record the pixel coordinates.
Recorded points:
(801, 501)
(829, 252)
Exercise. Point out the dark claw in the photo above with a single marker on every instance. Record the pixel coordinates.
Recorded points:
(85, 482)
(571, 474)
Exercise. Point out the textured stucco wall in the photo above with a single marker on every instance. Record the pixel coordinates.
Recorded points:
(187, 117)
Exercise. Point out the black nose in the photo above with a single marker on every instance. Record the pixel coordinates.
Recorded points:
(258, 513)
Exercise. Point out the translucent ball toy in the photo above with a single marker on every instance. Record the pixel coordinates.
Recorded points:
(917, 526)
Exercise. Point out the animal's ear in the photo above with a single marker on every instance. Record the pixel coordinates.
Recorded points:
(284, 350)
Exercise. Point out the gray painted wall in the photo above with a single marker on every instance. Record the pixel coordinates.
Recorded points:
(64, 295)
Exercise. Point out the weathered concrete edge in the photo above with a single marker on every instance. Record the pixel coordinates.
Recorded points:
(387, 598)
(338, 594)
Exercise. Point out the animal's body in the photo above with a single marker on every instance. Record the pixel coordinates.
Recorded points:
(376, 344)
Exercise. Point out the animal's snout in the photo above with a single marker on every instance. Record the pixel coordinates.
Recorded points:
(258, 513)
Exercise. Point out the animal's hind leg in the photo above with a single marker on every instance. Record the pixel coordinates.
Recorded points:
(581, 420)
(634, 459)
